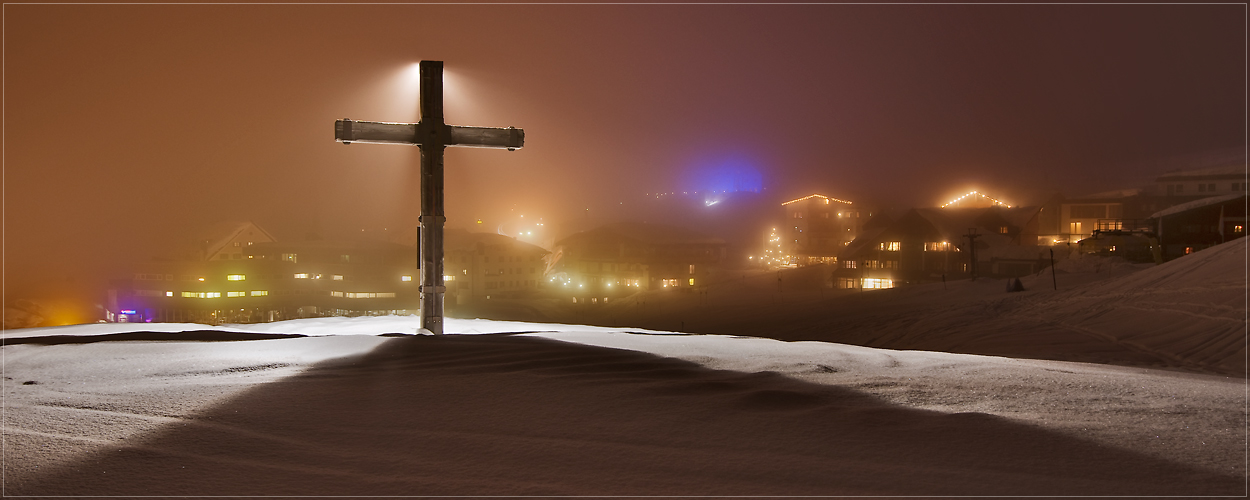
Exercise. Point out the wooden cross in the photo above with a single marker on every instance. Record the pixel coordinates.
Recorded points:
(431, 134)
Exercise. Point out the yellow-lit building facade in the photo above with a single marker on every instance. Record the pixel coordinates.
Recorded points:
(242, 280)
(484, 266)
(933, 244)
(814, 229)
(624, 258)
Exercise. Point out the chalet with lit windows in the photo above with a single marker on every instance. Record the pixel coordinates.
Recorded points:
(1202, 223)
(620, 259)
(481, 266)
(1069, 220)
(270, 281)
(931, 244)
(815, 229)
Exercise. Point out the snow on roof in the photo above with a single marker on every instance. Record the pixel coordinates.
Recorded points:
(222, 233)
(1234, 169)
(1185, 207)
(866, 238)
(464, 240)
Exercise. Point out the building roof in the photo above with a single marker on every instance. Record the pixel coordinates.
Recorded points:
(1185, 207)
(810, 196)
(946, 224)
(222, 233)
(459, 239)
(1106, 195)
(973, 196)
(1235, 169)
(655, 234)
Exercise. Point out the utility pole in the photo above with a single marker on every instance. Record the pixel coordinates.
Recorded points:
(972, 251)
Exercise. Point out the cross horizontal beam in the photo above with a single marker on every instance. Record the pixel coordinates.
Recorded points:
(349, 131)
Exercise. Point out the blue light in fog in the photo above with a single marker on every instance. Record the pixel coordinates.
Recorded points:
(723, 175)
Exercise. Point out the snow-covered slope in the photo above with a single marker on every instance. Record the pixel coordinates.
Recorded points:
(503, 409)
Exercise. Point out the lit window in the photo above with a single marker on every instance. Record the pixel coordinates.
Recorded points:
(448, 277)
(336, 294)
(189, 295)
(691, 269)
(369, 295)
(345, 258)
(260, 293)
(212, 295)
(301, 276)
(201, 278)
(891, 246)
(236, 294)
(871, 283)
(337, 277)
(691, 281)
(236, 277)
(290, 257)
(169, 294)
(406, 278)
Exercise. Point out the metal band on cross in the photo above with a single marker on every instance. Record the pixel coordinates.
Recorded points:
(432, 134)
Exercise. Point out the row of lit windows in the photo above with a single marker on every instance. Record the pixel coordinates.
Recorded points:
(263, 293)
(929, 246)
(214, 295)
(871, 264)
(364, 295)
(674, 282)
(335, 277)
(825, 215)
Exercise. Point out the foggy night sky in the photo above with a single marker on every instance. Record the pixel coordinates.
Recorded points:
(126, 126)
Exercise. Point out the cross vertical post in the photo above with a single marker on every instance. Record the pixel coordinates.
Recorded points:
(432, 134)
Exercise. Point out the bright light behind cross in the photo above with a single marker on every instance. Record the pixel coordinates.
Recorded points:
(457, 106)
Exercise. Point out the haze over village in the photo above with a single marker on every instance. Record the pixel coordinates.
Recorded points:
(899, 249)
